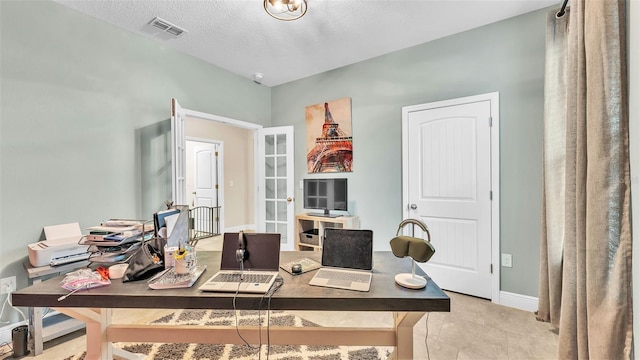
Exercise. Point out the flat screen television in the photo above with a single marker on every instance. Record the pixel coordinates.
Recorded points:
(326, 195)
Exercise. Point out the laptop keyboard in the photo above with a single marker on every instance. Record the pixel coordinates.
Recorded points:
(343, 276)
(248, 278)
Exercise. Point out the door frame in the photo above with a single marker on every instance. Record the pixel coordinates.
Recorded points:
(219, 170)
(494, 99)
(185, 113)
(178, 144)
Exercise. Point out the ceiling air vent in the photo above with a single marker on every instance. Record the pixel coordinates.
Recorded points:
(167, 27)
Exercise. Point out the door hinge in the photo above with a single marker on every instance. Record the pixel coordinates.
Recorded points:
(491, 195)
(216, 154)
(216, 186)
(491, 268)
(490, 121)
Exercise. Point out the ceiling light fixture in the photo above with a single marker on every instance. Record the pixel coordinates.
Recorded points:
(286, 10)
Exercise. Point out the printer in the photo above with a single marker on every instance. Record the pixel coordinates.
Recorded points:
(59, 247)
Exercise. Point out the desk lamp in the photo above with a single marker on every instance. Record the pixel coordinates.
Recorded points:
(416, 248)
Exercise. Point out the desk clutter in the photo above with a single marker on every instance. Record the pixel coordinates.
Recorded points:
(120, 249)
(159, 251)
(170, 279)
(115, 241)
(84, 279)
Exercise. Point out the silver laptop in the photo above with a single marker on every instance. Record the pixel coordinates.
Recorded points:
(347, 260)
(257, 270)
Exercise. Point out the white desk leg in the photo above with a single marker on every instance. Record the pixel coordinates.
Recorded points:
(107, 349)
(404, 323)
(96, 321)
(35, 328)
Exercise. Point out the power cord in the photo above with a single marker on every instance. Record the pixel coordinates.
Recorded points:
(4, 304)
(9, 348)
(8, 301)
(235, 309)
(427, 335)
(276, 285)
(235, 312)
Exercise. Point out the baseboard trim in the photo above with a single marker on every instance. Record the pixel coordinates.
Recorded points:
(239, 228)
(518, 301)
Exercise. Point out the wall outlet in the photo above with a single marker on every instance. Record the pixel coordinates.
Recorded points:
(9, 282)
(506, 260)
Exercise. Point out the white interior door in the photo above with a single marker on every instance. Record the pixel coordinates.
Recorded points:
(447, 177)
(275, 183)
(205, 174)
(178, 160)
(204, 186)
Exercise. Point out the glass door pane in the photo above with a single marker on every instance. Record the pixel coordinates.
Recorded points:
(277, 180)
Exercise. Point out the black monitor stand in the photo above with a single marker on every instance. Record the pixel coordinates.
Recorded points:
(326, 214)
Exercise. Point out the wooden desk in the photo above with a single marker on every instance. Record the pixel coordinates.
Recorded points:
(95, 306)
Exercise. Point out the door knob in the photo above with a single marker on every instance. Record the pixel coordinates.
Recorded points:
(413, 206)
(289, 199)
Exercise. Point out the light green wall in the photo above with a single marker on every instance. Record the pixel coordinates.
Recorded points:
(507, 57)
(84, 120)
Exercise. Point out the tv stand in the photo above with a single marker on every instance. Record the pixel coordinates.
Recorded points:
(325, 215)
(310, 228)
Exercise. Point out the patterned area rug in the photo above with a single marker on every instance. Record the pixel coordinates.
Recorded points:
(157, 351)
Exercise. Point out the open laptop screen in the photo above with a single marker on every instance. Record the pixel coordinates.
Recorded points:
(348, 248)
(263, 252)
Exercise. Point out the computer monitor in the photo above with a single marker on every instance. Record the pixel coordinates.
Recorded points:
(326, 195)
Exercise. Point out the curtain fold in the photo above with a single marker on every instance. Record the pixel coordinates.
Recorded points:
(585, 272)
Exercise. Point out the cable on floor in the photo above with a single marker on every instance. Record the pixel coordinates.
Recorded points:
(9, 347)
(235, 309)
(427, 335)
(276, 285)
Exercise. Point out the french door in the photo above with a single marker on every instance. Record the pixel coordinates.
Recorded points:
(273, 169)
(275, 185)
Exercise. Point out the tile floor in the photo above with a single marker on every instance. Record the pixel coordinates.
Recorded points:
(475, 329)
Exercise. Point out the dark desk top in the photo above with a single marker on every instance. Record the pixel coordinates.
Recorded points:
(295, 293)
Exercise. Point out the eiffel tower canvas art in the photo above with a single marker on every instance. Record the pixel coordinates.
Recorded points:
(329, 140)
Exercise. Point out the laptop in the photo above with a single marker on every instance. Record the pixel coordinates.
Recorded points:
(256, 273)
(347, 260)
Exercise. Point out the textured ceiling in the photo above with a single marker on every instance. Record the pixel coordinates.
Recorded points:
(237, 35)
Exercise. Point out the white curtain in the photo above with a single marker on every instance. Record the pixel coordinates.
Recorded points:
(585, 274)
